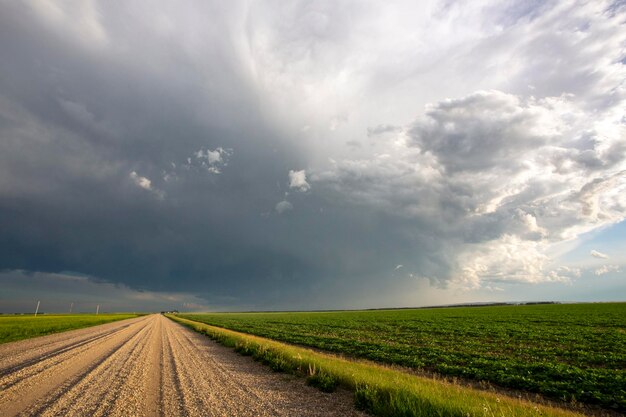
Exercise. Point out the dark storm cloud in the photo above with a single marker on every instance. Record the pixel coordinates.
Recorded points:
(77, 120)
(97, 125)
(69, 292)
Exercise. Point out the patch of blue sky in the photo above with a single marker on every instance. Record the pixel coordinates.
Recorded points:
(610, 241)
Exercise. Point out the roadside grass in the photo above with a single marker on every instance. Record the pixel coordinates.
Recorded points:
(572, 353)
(378, 389)
(13, 328)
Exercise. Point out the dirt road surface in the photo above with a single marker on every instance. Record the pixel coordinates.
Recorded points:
(149, 366)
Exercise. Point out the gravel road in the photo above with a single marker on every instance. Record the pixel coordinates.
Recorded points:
(149, 366)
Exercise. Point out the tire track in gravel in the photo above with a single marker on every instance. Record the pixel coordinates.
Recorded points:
(96, 392)
(50, 346)
(19, 389)
(149, 366)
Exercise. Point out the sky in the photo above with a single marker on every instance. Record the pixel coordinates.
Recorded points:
(272, 155)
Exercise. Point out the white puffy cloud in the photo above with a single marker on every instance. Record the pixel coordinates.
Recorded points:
(600, 255)
(140, 181)
(526, 154)
(145, 183)
(605, 269)
(212, 160)
(200, 161)
(297, 180)
(500, 179)
(283, 207)
(489, 129)
(509, 259)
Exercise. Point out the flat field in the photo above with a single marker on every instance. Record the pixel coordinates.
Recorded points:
(14, 328)
(570, 352)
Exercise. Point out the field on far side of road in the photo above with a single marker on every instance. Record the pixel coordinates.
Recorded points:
(569, 352)
(18, 327)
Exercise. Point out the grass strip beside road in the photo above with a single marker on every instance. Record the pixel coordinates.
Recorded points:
(378, 389)
(13, 328)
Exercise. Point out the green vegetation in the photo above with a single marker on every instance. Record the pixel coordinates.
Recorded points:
(378, 389)
(14, 328)
(573, 352)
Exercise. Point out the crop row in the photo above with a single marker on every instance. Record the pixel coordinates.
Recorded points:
(572, 353)
(380, 390)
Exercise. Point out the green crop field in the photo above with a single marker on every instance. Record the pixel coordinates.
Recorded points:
(381, 391)
(14, 328)
(574, 352)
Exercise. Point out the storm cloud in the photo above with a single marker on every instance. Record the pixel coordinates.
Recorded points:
(269, 156)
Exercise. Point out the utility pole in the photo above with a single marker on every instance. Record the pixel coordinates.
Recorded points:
(97, 309)
(71, 307)
(37, 309)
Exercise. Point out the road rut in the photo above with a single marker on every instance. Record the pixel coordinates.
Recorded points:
(149, 366)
